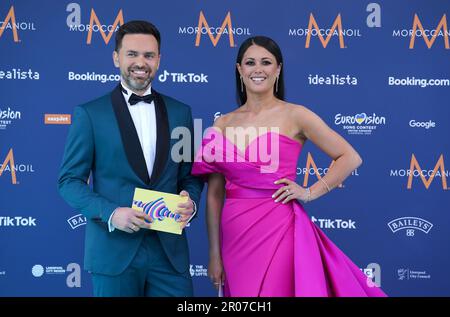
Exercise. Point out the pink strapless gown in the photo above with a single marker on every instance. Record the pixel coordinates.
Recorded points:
(272, 249)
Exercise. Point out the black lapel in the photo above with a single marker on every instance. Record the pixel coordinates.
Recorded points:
(162, 137)
(130, 139)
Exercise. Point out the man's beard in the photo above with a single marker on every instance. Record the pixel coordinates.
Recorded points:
(137, 84)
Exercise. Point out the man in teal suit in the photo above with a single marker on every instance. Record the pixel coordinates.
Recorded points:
(123, 141)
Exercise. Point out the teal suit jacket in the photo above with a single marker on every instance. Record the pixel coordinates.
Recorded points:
(102, 142)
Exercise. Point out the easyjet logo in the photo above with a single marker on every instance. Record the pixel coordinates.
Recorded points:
(57, 118)
(418, 30)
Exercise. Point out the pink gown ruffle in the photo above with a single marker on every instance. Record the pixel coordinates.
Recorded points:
(272, 249)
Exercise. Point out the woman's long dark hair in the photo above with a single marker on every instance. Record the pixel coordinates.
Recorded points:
(273, 48)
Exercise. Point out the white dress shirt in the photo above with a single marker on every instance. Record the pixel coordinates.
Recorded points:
(144, 119)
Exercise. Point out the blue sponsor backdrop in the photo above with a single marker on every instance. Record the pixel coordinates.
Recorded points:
(383, 85)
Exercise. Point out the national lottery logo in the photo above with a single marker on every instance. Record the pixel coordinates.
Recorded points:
(156, 209)
(197, 270)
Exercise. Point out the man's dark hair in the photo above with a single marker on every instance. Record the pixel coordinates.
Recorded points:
(137, 27)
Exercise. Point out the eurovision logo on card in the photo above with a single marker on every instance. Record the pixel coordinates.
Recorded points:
(160, 207)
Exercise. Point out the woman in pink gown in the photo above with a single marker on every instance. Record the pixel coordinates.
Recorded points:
(262, 242)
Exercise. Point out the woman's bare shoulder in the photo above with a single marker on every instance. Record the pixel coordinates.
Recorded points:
(296, 107)
(226, 120)
(223, 120)
(298, 111)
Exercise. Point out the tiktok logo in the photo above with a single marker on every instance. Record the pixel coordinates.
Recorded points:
(183, 77)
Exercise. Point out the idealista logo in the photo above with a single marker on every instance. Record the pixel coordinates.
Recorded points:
(10, 166)
(360, 123)
(77, 221)
(73, 22)
(410, 225)
(57, 118)
(17, 73)
(8, 116)
(11, 23)
(332, 80)
(312, 169)
(214, 32)
(72, 269)
(416, 171)
(429, 35)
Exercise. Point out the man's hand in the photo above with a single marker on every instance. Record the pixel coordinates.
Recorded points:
(185, 210)
(130, 220)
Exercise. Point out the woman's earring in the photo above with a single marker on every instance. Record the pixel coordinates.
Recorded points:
(276, 86)
(242, 85)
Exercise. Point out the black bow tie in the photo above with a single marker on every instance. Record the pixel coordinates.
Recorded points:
(134, 99)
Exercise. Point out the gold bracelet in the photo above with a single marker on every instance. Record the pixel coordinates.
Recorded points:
(326, 185)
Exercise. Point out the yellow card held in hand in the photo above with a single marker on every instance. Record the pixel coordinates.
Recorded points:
(160, 207)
